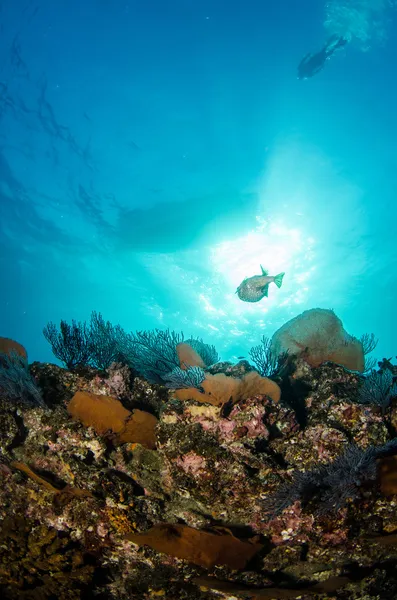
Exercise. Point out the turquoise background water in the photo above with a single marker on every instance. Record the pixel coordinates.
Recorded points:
(153, 154)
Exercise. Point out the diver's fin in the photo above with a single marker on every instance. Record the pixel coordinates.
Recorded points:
(265, 290)
(264, 272)
(335, 42)
(278, 280)
(305, 58)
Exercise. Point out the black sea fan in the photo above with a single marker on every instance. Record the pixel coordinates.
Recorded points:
(268, 362)
(16, 383)
(327, 487)
(179, 378)
(103, 342)
(70, 344)
(378, 389)
(151, 353)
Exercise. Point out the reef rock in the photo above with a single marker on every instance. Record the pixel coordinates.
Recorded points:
(119, 489)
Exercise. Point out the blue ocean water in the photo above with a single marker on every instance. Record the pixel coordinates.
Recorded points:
(153, 154)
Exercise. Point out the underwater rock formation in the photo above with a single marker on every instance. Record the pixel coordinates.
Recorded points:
(282, 487)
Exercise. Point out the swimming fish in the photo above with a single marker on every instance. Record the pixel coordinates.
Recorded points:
(253, 289)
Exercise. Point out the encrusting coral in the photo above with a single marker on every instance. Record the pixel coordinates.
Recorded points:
(244, 486)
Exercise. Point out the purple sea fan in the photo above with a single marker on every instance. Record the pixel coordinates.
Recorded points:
(327, 487)
(378, 389)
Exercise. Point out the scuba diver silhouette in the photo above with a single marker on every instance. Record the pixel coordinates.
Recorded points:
(313, 63)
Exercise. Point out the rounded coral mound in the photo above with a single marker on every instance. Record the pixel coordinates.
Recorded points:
(317, 335)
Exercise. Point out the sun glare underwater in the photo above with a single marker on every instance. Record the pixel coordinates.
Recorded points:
(154, 155)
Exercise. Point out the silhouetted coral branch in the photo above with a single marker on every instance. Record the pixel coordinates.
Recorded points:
(79, 344)
(179, 378)
(378, 389)
(151, 353)
(369, 342)
(369, 363)
(71, 344)
(267, 362)
(103, 342)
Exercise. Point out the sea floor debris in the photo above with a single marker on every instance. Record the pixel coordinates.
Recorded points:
(121, 489)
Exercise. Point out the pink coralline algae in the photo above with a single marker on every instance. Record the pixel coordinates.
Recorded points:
(253, 426)
(191, 463)
(248, 421)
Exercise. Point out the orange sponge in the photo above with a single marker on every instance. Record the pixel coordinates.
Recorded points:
(188, 357)
(219, 389)
(8, 345)
(317, 335)
(106, 415)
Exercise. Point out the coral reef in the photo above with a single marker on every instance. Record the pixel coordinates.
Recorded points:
(242, 486)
